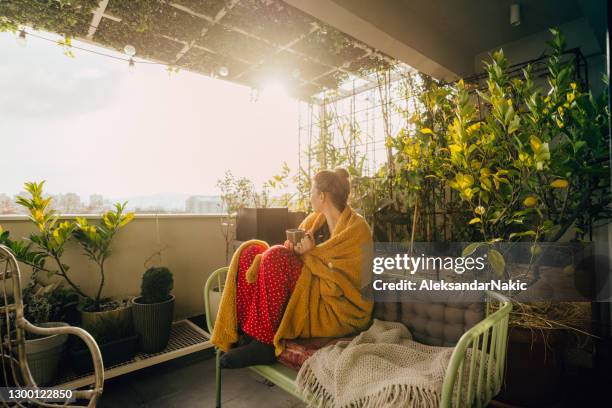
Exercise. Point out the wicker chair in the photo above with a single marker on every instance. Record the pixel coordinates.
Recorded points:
(13, 327)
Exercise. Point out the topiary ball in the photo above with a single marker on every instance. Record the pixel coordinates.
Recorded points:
(157, 282)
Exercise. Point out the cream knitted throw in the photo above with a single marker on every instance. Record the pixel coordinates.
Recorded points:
(381, 367)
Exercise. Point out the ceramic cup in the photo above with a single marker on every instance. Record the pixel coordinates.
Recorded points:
(295, 235)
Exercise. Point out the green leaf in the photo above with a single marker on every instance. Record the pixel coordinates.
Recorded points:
(521, 234)
(497, 262)
(469, 250)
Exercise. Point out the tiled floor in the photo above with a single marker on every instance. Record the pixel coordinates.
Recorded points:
(190, 382)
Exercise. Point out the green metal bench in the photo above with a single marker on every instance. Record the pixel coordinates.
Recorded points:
(468, 382)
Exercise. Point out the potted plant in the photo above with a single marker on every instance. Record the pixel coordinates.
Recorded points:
(256, 218)
(109, 320)
(235, 193)
(46, 306)
(153, 310)
(529, 167)
(95, 240)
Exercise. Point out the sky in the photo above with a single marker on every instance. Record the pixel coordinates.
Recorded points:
(90, 126)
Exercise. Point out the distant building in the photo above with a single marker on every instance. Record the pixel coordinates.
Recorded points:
(203, 204)
(69, 203)
(96, 201)
(7, 205)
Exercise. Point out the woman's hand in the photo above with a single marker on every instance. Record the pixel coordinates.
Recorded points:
(305, 244)
(289, 245)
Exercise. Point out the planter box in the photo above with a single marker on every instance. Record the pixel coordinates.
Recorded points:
(113, 353)
(152, 323)
(295, 218)
(534, 367)
(266, 224)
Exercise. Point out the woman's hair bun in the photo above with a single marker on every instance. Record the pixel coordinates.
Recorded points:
(335, 182)
(342, 173)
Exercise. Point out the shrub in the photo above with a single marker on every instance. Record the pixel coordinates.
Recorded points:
(157, 282)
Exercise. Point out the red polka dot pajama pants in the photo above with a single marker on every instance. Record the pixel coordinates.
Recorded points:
(260, 305)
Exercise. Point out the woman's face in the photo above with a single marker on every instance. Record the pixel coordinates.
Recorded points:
(317, 199)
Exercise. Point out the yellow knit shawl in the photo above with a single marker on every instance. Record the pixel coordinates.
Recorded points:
(326, 301)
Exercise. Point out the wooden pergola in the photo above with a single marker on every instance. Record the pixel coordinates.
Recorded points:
(245, 41)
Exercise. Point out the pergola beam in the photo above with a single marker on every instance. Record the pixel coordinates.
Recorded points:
(96, 18)
(222, 13)
(187, 45)
(277, 48)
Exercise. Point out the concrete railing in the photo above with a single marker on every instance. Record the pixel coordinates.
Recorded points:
(196, 247)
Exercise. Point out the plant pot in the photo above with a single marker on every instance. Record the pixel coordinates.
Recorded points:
(267, 224)
(45, 353)
(152, 322)
(534, 367)
(113, 353)
(109, 324)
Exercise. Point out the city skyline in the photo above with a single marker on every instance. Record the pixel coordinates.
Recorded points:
(72, 203)
(89, 126)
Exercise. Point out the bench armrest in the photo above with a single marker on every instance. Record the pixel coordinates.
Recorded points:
(214, 277)
(474, 381)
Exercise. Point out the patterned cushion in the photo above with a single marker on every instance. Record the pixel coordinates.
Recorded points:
(432, 323)
(299, 350)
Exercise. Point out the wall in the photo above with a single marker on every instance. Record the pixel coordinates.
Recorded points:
(196, 247)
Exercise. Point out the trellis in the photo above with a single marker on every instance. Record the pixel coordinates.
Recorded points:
(367, 108)
(356, 126)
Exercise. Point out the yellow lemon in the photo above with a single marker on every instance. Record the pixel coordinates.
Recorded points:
(559, 183)
(530, 201)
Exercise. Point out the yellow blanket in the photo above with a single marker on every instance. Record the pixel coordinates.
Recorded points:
(326, 301)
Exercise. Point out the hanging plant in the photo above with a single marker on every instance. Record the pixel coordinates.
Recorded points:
(70, 18)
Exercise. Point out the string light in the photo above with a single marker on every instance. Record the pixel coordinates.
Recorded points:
(130, 51)
(21, 39)
(102, 54)
(224, 71)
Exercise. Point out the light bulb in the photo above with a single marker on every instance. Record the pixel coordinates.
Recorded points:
(131, 65)
(21, 39)
(224, 71)
(129, 50)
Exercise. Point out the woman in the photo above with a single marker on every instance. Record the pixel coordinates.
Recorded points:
(307, 290)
